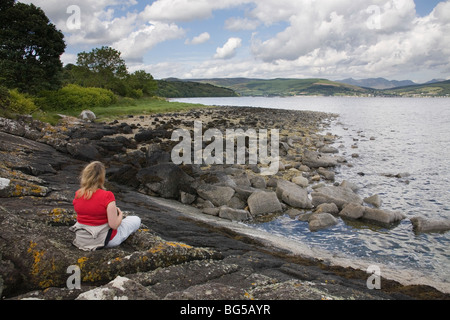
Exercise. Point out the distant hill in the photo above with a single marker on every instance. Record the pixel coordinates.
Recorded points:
(286, 87)
(435, 80)
(232, 87)
(378, 83)
(175, 88)
(434, 89)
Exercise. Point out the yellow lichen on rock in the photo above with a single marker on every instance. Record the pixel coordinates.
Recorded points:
(81, 262)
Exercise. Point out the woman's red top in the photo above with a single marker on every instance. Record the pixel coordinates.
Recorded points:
(93, 212)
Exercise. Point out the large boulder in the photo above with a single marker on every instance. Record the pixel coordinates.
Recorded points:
(314, 159)
(421, 224)
(87, 115)
(234, 214)
(124, 174)
(328, 208)
(165, 180)
(293, 195)
(149, 135)
(218, 195)
(301, 181)
(83, 151)
(264, 202)
(374, 200)
(156, 155)
(321, 221)
(338, 195)
(352, 211)
(383, 217)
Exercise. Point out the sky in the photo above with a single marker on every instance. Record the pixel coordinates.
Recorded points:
(197, 39)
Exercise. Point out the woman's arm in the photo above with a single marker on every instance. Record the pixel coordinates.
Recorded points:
(115, 215)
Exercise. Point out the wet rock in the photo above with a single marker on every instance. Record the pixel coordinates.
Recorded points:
(264, 202)
(421, 224)
(321, 221)
(327, 207)
(293, 213)
(398, 175)
(293, 195)
(383, 217)
(352, 211)
(374, 200)
(338, 195)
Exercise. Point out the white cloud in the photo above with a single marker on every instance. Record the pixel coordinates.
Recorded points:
(136, 44)
(201, 38)
(228, 51)
(99, 22)
(186, 10)
(67, 58)
(442, 12)
(160, 70)
(326, 30)
(326, 38)
(238, 24)
(101, 30)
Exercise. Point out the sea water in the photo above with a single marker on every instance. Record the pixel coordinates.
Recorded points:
(403, 148)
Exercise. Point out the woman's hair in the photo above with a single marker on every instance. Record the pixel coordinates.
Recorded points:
(92, 178)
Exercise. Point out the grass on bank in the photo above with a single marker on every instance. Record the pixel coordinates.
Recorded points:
(122, 108)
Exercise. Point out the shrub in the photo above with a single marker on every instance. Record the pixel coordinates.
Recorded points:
(4, 97)
(135, 93)
(74, 97)
(20, 103)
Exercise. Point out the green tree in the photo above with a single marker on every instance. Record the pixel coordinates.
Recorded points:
(143, 81)
(104, 67)
(30, 48)
(101, 67)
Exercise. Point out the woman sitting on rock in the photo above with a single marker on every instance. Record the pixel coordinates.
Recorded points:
(100, 224)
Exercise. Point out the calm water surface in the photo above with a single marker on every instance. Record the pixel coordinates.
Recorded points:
(411, 137)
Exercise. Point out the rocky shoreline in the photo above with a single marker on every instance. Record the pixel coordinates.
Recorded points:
(174, 255)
